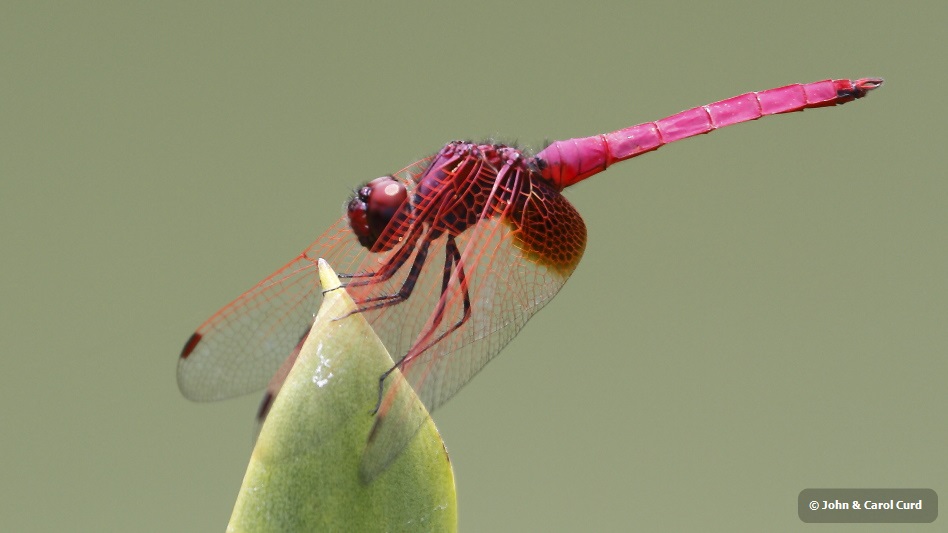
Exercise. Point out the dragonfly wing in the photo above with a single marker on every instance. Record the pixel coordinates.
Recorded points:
(239, 348)
(510, 267)
(514, 266)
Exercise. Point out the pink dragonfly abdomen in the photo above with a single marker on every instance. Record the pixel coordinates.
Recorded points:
(565, 163)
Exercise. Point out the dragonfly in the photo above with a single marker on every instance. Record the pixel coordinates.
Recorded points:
(449, 257)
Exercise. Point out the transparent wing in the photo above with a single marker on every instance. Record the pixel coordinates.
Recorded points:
(241, 346)
(511, 266)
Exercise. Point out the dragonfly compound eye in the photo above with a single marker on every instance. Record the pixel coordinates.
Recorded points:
(373, 207)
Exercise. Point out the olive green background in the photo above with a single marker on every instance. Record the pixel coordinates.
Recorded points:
(759, 311)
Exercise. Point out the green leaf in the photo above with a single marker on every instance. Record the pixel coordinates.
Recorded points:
(307, 468)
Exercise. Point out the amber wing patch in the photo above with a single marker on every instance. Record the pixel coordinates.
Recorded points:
(547, 229)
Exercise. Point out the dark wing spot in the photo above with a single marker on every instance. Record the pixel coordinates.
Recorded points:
(265, 405)
(189, 346)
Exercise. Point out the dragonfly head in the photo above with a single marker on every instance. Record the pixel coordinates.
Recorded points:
(373, 206)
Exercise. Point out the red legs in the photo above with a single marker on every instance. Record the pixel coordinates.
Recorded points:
(452, 259)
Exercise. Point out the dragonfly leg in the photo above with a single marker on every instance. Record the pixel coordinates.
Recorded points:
(439, 311)
(391, 266)
(386, 374)
(378, 302)
(452, 259)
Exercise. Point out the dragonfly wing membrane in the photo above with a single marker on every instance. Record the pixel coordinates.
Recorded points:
(509, 276)
(238, 349)
(505, 277)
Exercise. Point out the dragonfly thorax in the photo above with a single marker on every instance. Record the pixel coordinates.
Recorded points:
(468, 182)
